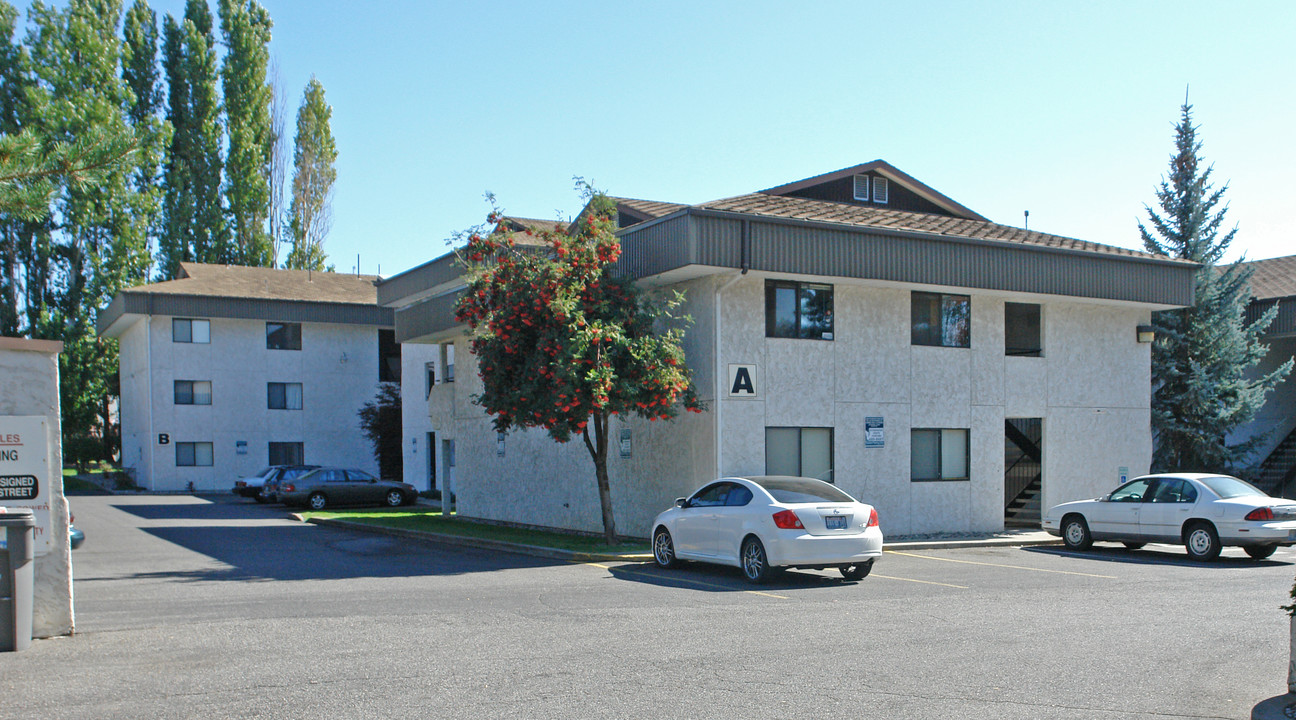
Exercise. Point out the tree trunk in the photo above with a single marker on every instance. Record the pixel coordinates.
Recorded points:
(598, 451)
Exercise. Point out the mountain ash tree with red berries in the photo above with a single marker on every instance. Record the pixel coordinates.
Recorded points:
(563, 341)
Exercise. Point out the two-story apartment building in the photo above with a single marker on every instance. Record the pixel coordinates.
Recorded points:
(227, 369)
(857, 326)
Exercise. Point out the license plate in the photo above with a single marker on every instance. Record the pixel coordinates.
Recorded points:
(836, 522)
(1291, 534)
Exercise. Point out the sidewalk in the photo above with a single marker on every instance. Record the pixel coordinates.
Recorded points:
(1005, 538)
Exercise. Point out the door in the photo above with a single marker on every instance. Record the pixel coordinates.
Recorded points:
(730, 521)
(364, 488)
(1171, 504)
(1119, 514)
(695, 533)
(431, 462)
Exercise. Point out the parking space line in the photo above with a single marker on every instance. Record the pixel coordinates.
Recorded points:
(699, 583)
(924, 582)
(1000, 565)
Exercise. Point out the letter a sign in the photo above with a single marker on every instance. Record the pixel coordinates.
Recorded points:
(742, 381)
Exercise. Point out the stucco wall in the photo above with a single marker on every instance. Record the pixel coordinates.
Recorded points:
(29, 386)
(1090, 388)
(415, 422)
(337, 367)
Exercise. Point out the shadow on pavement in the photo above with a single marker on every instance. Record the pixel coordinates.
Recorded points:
(1153, 555)
(707, 577)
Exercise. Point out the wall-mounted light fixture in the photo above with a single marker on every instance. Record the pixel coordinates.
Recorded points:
(1145, 333)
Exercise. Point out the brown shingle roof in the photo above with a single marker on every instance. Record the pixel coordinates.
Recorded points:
(236, 281)
(795, 208)
(1273, 278)
(651, 208)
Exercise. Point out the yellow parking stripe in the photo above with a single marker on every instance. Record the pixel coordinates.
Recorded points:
(924, 582)
(1013, 567)
(684, 580)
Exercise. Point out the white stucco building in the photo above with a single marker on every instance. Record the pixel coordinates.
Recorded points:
(227, 369)
(857, 326)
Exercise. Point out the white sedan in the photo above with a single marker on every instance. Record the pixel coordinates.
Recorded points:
(762, 523)
(1201, 511)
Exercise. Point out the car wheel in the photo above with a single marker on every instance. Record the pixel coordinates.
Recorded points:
(664, 549)
(395, 498)
(1075, 533)
(1260, 552)
(856, 572)
(1133, 545)
(317, 501)
(259, 498)
(755, 564)
(1202, 542)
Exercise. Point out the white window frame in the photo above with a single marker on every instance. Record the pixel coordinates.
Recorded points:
(199, 331)
(193, 392)
(194, 447)
(856, 183)
(288, 396)
(881, 183)
(948, 458)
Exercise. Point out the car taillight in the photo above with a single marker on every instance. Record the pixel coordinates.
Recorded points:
(787, 520)
(1263, 513)
(873, 521)
(288, 488)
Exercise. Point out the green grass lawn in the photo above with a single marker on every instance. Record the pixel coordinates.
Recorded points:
(77, 484)
(428, 520)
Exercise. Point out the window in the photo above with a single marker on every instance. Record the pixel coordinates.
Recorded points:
(287, 453)
(283, 336)
(429, 371)
(389, 356)
(184, 330)
(861, 187)
(193, 454)
(721, 494)
(284, 396)
(942, 320)
(447, 361)
(804, 452)
(938, 454)
(1022, 335)
(798, 310)
(881, 190)
(1131, 492)
(193, 392)
(1174, 490)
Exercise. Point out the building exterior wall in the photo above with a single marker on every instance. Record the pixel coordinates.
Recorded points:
(29, 386)
(337, 367)
(415, 420)
(1090, 388)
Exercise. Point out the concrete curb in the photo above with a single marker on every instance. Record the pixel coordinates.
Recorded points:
(1022, 540)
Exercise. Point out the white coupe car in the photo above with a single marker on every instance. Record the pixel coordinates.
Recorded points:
(1202, 512)
(762, 523)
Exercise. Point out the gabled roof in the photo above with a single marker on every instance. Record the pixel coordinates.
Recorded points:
(1273, 278)
(236, 281)
(889, 171)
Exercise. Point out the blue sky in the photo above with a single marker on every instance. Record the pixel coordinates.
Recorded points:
(1062, 109)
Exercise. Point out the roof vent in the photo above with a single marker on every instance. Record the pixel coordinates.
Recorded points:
(881, 190)
(862, 187)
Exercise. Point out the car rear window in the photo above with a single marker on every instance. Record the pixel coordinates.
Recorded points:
(1230, 487)
(801, 490)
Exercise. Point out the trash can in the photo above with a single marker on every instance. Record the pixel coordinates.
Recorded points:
(17, 573)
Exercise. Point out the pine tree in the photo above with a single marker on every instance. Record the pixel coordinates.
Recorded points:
(310, 214)
(245, 26)
(1201, 389)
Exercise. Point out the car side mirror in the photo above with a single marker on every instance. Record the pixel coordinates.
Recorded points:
(681, 502)
(372, 480)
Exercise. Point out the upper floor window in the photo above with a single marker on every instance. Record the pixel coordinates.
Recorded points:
(942, 320)
(283, 336)
(1022, 335)
(284, 396)
(798, 310)
(185, 330)
(193, 392)
(389, 356)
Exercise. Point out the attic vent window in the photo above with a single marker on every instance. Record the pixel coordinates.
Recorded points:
(862, 187)
(881, 189)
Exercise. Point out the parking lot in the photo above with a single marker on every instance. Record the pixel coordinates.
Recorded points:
(214, 607)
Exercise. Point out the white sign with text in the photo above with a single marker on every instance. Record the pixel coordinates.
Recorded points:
(24, 471)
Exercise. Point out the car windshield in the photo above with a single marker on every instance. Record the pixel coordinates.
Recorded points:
(264, 471)
(801, 490)
(1230, 487)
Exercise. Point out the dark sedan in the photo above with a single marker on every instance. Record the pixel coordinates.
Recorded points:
(330, 486)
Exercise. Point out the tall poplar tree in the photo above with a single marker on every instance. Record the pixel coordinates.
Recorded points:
(245, 26)
(17, 231)
(1201, 388)
(195, 225)
(310, 215)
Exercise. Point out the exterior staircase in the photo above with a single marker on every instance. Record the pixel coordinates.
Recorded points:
(1277, 474)
(1023, 480)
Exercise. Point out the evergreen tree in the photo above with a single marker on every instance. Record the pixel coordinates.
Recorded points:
(380, 421)
(100, 239)
(245, 26)
(310, 214)
(1201, 389)
(17, 232)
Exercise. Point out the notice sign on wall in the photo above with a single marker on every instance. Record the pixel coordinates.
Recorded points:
(24, 469)
(874, 432)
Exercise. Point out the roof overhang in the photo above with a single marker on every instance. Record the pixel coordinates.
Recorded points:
(129, 306)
